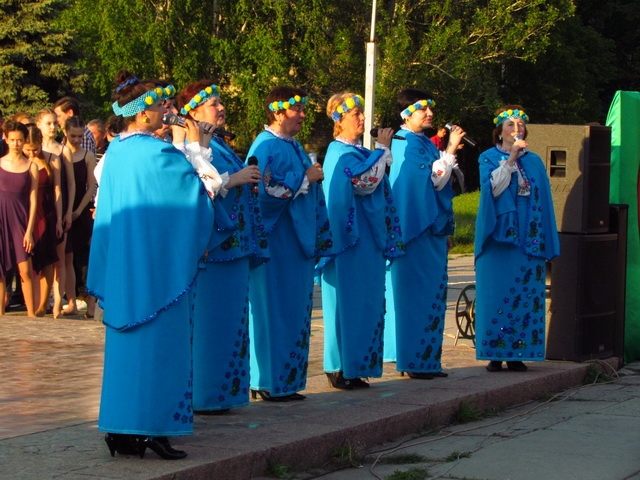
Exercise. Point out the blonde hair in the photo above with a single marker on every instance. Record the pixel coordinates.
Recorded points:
(334, 102)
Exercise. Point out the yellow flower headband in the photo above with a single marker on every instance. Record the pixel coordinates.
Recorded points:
(199, 98)
(349, 104)
(286, 104)
(420, 104)
(502, 116)
(144, 101)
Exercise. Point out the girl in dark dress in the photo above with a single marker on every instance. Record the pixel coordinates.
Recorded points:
(18, 197)
(48, 125)
(84, 163)
(48, 224)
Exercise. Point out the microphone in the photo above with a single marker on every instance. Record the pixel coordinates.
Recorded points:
(374, 133)
(466, 139)
(173, 119)
(253, 160)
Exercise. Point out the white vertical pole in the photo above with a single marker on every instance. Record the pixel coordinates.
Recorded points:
(370, 81)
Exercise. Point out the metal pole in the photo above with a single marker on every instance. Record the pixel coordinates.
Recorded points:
(370, 81)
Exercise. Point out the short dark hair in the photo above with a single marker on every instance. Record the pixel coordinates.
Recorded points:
(68, 103)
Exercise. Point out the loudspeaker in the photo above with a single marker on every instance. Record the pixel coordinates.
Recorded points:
(619, 223)
(578, 161)
(582, 315)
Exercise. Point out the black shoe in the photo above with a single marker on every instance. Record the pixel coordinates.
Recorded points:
(266, 396)
(517, 366)
(161, 446)
(494, 366)
(222, 411)
(420, 375)
(121, 443)
(358, 383)
(440, 374)
(294, 396)
(336, 380)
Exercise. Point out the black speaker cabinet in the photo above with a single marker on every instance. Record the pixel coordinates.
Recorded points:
(619, 223)
(578, 160)
(581, 317)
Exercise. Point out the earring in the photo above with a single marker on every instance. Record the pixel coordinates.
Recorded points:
(500, 137)
(145, 119)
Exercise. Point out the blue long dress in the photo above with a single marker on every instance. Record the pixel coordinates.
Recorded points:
(418, 281)
(281, 290)
(221, 314)
(365, 232)
(149, 234)
(515, 234)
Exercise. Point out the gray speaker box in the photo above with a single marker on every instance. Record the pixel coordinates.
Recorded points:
(578, 161)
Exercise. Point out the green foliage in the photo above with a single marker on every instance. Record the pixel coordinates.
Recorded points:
(466, 413)
(403, 459)
(35, 64)
(465, 210)
(411, 474)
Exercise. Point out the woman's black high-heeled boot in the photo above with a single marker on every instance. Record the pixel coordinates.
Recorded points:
(161, 446)
(336, 380)
(122, 443)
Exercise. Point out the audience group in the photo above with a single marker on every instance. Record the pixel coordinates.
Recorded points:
(221, 254)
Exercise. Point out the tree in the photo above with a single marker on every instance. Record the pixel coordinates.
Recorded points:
(35, 64)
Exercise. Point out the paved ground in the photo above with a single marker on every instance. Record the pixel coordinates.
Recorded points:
(50, 383)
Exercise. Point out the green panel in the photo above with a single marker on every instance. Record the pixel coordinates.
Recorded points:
(624, 120)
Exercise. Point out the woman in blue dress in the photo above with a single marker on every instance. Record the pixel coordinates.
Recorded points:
(365, 232)
(420, 179)
(147, 242)
(515, 234)
(238, 243)
(295, 217)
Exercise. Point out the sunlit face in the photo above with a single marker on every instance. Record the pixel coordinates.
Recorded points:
(98, 136)
(290, 120)
(15, 141)
(352, 124)
(31, 150)
(62, 116)
(155, 114)
(74, 136)
(212, 111)
(512, 127)
(47, 125)
(420, 119)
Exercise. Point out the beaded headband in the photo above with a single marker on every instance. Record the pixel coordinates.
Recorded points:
(420, 104)
(505, 114)
(144, 101)
(285, 105)
(199, 98)
(349, 104)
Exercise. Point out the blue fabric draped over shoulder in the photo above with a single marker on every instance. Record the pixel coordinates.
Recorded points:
(285, 163)
(150, 192)
(381, 215)
(238, 231)
(420, 206)
(498, 217)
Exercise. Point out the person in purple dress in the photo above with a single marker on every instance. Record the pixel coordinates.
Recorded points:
(18, 197)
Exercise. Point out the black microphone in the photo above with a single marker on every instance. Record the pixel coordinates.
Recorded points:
(466, 139)
(173, 119)
(253, 160)
(374, 133)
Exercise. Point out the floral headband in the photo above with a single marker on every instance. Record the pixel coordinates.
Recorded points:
(144, 101)
(406, 113)
(285, 105)
(349, 104)
(505, 114)
(199, 98)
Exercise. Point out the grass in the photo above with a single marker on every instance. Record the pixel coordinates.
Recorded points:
(466, 413)
(411, 474)
(402, 459)
(465, 209)
(277, 470)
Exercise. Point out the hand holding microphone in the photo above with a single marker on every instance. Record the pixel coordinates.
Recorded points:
(466, 138)
(374, 132)
(252, 161)
(173, 119)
